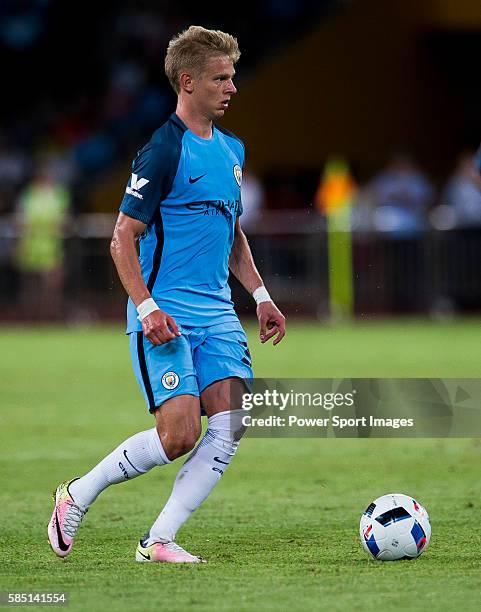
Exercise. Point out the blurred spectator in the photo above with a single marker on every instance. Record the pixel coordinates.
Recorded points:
(113, 98)
(13, 170)
(42, 211)
(463, 192)
(400, 196)
(252, 192)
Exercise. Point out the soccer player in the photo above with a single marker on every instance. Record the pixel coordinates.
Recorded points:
(189, 351)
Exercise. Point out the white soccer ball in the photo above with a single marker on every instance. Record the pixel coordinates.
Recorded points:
(394, 527)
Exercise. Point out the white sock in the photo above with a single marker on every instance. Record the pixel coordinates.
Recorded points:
(199, 474)
(134, 457)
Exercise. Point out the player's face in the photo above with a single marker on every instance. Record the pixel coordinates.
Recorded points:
(214, 88)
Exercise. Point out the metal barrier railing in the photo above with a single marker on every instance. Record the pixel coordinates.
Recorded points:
(434, 271)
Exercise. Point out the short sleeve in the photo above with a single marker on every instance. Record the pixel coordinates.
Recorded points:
(153, 172)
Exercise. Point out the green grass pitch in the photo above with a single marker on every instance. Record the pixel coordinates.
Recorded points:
(280, 532)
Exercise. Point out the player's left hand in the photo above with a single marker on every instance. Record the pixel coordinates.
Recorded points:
(271, 322)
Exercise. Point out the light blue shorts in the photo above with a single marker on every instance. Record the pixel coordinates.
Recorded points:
(190, 363)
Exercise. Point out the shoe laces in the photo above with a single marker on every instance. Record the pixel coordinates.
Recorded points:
(176, 548)
(73, 518)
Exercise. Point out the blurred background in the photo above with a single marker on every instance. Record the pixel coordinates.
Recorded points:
(362, 192)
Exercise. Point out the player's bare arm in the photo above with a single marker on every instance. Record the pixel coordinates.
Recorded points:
(158, 326)
(241, 263)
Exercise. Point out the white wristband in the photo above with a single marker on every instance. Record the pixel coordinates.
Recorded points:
(261, 295)
(145, 308)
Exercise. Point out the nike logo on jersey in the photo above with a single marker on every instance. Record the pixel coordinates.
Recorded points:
(197, 178)
(136, 185)
(61, 543)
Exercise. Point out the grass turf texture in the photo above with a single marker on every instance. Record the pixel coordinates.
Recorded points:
(281, 529)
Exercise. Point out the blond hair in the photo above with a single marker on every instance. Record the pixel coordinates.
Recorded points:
(189, 51)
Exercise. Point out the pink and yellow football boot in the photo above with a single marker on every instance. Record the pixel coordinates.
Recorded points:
(65, 521)
(164, 553)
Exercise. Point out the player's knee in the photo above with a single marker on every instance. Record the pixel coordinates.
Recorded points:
(179, 443)
(185, 444)
(179, 448)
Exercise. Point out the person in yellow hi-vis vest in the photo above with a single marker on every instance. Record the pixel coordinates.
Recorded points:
(42, 211)
(334, 198)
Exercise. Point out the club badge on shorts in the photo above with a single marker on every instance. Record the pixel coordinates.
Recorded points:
(170, 380)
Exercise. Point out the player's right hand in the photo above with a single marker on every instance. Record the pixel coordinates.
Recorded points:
(159, 327)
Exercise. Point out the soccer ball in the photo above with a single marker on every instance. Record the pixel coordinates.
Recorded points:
(394, 527)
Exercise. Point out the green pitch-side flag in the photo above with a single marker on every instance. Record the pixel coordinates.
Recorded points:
(334, 199)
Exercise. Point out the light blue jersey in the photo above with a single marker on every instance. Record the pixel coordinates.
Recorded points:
(186, 189)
